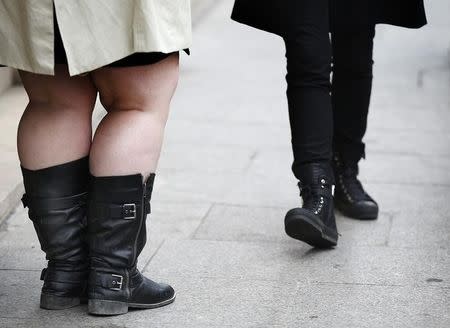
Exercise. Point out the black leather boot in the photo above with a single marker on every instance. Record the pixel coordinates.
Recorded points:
(118, 208)
(314, 223)
(350, 197)
(56, 198)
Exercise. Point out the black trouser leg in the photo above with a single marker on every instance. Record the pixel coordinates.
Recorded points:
(351, 87)
(308, 53)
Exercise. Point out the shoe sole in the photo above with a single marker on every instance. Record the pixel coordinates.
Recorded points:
(308, 230)
(52, 302)
(363, 215)
(109, 308)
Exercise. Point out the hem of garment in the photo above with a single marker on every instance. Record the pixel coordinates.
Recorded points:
(285, 34)
(29, 69)
(51, 72)
(79, 70)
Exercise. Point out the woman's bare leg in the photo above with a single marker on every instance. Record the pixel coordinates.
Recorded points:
(137, 99)
(56, 125)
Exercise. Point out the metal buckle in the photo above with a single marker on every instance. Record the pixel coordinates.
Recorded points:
(117, 283)
(129, 211)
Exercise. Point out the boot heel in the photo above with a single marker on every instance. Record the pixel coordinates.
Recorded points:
(52, 302)
(104, 307)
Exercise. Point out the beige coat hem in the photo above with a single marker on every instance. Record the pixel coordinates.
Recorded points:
(94, 33)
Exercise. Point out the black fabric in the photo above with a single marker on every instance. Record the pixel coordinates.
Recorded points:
(308, 53)
(406, 13)
(281, 15)
(351, 87)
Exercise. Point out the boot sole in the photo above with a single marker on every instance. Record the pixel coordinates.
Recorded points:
(309, 230)
(52, 302)
(107, 308)
(357, 214)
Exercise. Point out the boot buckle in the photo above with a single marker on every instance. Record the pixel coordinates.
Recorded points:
(129, 211)
(117, 283)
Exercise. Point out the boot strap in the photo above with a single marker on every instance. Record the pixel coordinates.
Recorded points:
(107, 280)
(321, 190)
(53, 204)
(115, 211)
(63, 276)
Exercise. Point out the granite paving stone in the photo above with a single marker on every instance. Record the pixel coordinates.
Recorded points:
(381, 265)
(266, 224)
(361, 306)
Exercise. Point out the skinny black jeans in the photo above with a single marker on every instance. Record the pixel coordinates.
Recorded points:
(320, 124)
(308, 53)
(351, 86)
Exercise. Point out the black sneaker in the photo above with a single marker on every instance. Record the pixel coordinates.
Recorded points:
(314, 223)
(350, 197)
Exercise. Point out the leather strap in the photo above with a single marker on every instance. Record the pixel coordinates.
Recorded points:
(53, 204)
(128, 211)
(63, 276)
(112, 281)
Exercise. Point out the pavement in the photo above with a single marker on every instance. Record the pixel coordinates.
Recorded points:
(224, 185)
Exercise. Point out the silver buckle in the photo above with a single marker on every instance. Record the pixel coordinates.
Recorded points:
(129, 211)
(117, 283)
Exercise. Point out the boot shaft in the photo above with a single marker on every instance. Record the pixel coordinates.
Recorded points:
(56, 198)
(312, 174)
(58, 181)
(118, 208)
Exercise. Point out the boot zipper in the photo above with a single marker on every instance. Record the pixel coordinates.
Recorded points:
(141, 217)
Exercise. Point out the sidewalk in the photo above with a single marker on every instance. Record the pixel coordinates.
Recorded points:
(224, 186)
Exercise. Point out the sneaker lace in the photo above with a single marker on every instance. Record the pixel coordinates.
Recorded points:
(351, 182)
(311, 200)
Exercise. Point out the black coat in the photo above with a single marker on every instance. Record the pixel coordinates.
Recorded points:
(278, 16)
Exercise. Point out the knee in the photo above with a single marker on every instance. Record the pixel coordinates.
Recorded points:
(354, 68)
(143, 89)
(130, 101)
(354, 63)
(308, 61)
(353, 56)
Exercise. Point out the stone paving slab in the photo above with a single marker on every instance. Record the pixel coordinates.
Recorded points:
(228, 133)
(381, 168)
(420, 118)
(268, 181)
(201, 187)
(205, 159)
(266, 224)
(384, 266)
(420, 229)
(400, 199)
(407, 142)
(362, 306)
(249, 303)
